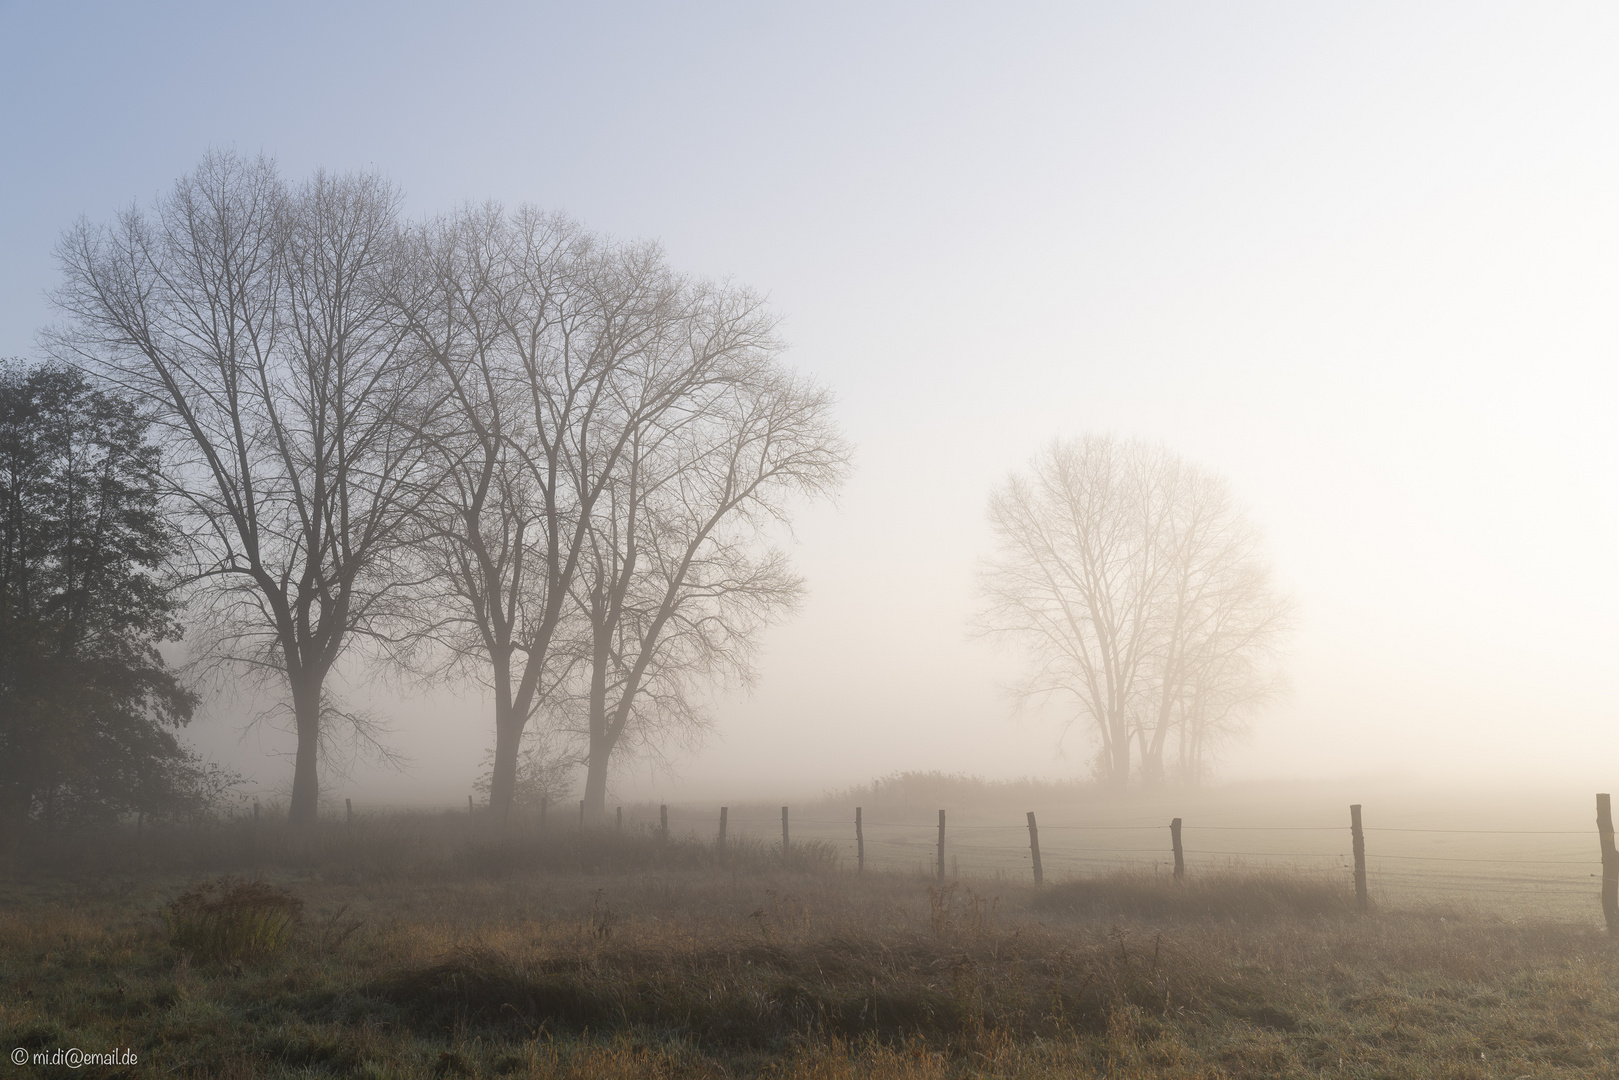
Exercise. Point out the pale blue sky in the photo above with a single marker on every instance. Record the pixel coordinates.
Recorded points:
(1362, 259)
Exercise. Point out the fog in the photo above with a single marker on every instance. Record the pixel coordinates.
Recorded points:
(1362, 263)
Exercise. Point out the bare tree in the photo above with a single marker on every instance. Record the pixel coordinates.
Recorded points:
(1075, 579)
(1218, 628)
(553, 345)
(1134, 582)
(260, 325)
(680, 580)
(491, 529)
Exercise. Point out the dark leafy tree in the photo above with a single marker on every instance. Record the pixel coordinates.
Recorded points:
(88, 707)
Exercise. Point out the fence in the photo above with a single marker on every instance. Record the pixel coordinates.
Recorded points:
(1544, 871)
(1548, 871)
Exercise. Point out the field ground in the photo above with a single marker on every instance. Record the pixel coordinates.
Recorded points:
(426, 951)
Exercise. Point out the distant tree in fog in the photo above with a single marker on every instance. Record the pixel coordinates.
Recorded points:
(260, 325)
(1219, 621)
(1137, 586)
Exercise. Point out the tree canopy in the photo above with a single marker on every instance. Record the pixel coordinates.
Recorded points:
(88, 707)
(1137, 585)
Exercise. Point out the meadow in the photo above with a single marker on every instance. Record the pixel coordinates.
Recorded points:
(421, 944)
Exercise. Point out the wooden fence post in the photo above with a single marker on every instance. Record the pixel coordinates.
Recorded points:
(941, 845)
(1610, 864)
(1034, 848)
(1359, 838)
(663, 822)
(1180, 858)
(784, 836)
(469, 805)
(724, 811)
(859, 844)
(581, 815)
(349, 803)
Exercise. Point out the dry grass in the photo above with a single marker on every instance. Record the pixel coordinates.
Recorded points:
(1265, 896)
(232, 921)
(643, 960)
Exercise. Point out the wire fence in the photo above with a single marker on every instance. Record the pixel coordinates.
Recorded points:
(1557, 872)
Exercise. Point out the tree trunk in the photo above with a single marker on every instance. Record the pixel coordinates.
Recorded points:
(1119, 764)
(1183, 751)
(596, 772)
(1152, 764)
(601, 742)
(509, 724)
(306, 765)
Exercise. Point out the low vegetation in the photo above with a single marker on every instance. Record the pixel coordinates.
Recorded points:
(232, 921)
(633, 955)
(1235, 895)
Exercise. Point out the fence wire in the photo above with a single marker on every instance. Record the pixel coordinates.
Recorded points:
(1545, 870)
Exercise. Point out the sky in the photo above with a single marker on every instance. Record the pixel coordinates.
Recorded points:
(1360, 259)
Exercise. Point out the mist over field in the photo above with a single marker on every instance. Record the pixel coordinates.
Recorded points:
(893, 541)
(1358, 263)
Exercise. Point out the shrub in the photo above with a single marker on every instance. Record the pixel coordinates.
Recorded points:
(230, 920)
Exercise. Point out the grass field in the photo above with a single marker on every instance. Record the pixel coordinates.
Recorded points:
(423, 948)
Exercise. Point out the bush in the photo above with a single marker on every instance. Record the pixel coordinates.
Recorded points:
(230, 920)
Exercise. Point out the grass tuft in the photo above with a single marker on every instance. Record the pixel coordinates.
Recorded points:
(228, 920)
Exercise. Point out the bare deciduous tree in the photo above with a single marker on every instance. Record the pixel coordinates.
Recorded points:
(1136, 584)
(680, 581)
(481, 427)
(553, 345)
(261, 326)
(1218, 626)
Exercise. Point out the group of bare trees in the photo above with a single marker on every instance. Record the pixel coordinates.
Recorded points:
(496, 446)
(615, 442)
(1137, 585)
(492, 445)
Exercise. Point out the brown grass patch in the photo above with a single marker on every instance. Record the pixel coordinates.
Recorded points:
(1250, 896)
